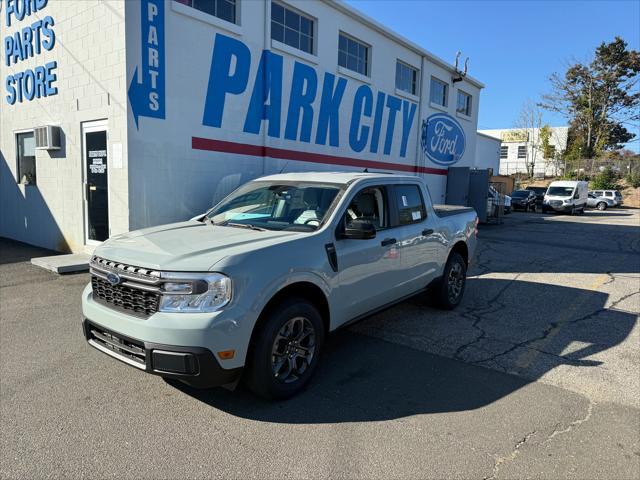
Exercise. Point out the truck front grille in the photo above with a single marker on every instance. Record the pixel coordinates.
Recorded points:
(555, 203)
(129, 351)
(132, 300)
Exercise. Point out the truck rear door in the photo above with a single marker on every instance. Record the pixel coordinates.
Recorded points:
(422, 247)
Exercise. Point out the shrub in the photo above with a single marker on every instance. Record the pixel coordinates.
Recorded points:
(605, 180)
(633, 179)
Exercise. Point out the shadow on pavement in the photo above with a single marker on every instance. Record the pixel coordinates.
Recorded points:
(361, 378)
(12, 251)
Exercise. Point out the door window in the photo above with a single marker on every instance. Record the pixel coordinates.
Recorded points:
(370, 206)
(97, 188)
(410, 205)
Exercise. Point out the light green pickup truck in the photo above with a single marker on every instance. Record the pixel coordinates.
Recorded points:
(250, 289)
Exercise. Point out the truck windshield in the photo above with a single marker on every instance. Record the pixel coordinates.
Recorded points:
(276, 206)
(560, 191)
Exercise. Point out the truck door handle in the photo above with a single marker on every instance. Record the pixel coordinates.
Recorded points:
(427, 231)
(388, 241)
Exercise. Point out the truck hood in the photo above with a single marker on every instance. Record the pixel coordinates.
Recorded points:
(186, 246)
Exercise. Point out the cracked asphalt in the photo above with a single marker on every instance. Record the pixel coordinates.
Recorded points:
(535, 375)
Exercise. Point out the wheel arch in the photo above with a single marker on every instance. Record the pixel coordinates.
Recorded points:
(300, 289)
(462, 249)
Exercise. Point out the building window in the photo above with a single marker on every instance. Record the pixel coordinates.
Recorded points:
(522, 151)
(291, 28)
(464, 103)
(406, 78)
(504, 151)
(26, 158)
(353, 54)
(410, 205)
(439, 92)
(224, 9)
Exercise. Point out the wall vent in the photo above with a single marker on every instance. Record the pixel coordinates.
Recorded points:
(47, 137)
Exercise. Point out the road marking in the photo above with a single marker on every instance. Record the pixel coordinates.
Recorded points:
(528, 356)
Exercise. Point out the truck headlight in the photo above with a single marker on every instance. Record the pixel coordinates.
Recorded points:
(208, 293)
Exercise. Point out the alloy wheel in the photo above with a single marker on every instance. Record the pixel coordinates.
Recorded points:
(293, 350)
(455, 282)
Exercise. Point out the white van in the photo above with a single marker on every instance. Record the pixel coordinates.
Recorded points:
(566, 196)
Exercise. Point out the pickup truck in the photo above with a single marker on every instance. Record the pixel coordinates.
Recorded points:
(251, 288)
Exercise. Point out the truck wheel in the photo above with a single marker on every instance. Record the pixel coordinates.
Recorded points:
(601, 206)
(286, 349)
(451, 287)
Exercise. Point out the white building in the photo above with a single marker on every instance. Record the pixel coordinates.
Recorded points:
(488, 153)
(164, 106)
(521, 147)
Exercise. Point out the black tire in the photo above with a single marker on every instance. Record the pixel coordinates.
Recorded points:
(260, 373)
(601, 206)
(446, 296)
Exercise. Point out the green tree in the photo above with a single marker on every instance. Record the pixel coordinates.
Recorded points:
(545, 144)
(599, 98)
(605, 180)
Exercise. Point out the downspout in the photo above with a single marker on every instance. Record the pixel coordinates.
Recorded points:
(267, 46)
(418, 146)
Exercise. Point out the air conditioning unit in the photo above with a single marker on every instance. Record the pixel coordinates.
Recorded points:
(47, 137)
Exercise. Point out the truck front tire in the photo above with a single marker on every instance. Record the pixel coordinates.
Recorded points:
(450, 289)
(285, 351)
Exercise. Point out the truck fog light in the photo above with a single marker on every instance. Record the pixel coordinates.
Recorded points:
(216, 295)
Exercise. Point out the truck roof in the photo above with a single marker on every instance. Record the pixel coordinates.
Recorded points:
(566, 183)
(333, 177)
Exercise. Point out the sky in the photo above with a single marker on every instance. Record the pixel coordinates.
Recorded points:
(513, 46)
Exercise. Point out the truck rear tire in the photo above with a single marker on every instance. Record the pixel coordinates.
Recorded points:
(450, 289)
(285, 350)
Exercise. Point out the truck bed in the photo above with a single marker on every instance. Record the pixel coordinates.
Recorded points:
(449, 210)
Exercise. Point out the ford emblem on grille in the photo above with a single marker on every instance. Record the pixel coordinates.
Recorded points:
(113, 278)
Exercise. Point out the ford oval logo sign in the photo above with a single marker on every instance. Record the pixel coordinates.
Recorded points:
(113, 278)
(443, 140)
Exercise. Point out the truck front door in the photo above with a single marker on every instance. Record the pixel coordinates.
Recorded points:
(369, 270)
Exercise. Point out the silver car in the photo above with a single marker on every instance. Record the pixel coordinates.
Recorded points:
(601, 203)
(614, 195)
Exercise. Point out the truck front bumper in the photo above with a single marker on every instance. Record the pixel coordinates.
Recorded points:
(195, 366)
(181, 346)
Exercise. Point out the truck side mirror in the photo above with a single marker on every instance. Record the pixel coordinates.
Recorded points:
(577, 195)
(359, 230)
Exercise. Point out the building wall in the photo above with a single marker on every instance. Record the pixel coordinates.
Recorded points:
(543, 167)
(172, 178)
(89, 50)
(487, 153)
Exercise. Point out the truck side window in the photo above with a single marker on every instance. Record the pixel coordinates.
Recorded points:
(368, 205)
(410, 205)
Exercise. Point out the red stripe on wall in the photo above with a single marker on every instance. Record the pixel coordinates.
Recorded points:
(209, 144)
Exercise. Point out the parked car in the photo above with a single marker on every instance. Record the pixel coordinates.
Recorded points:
(539, 191)
(601, 203)
(566, 196)
(523, 200)
(495, 199)
(614, 195)
(253, 286)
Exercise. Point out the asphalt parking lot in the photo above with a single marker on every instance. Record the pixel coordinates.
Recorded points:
(536, 375)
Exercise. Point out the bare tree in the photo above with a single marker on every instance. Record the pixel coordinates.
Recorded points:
(530, 122)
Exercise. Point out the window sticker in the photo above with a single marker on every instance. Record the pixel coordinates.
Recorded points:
(416, 215)
(405, 203)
